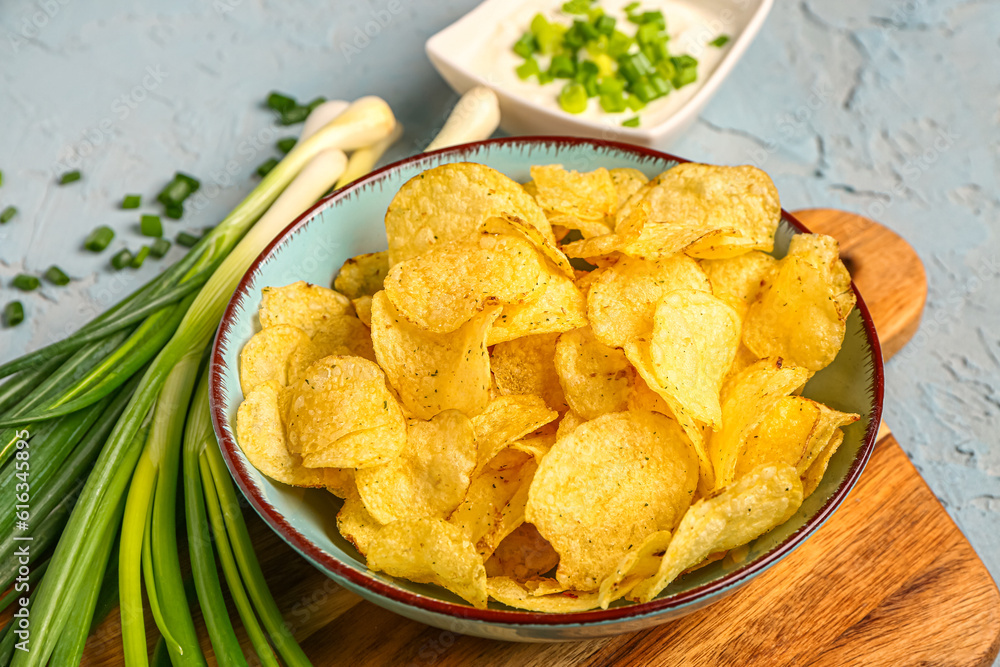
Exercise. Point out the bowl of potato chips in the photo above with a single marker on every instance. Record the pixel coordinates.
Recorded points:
(545, 389)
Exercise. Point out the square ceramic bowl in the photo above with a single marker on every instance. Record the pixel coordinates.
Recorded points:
(476, 51)
(350, 222)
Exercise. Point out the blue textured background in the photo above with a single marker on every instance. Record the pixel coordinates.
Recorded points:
(885, 107)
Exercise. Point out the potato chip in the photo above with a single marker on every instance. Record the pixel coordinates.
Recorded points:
(430, 476)
(450, 202)
(362, 275)
(595, 378)
(511, 515)
(521, 555)
(641, 562)
(524, 366)
(265, 356)
(506, 420)
(442, 289)
(340, 481)
(261, 436)
(560, 307)
(430, 551)
(587, 228)
(606, 486)
(627, 230)
(746, 397)
(695, 337)
(433, 372)
(355, 523)
(543, 585)
(363, 306)
(738, 280)
(586, 196)
(622, 302)
(344, 335)
(536, 446)
(755, 504)
(301, 305)
(813, 475)
(801, 314)
(568, 424)
(627, 182)
(482, 510)
(340, 397)
(544, 242)
(509, 592)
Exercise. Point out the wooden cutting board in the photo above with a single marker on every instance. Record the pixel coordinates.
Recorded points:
(888, 580)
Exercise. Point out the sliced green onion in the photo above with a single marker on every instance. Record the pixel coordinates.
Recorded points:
(660, 85)
(13, 314)
(631, 7)
(605, 25)
(286, 144)
(643, 90)
(295, 114)
(187, 240)
(687, 70)
(176, 191)
(526, 45)
(56, 276)
(159, 248)
(576, 7)
(26, 283)
(634, 103)
(7, 214)
(121, 259)
(265, 168)
(528, 68)
(69, 177)
(573, 98)
(720, 41)
(150, 225)
(174, 211)
(613, 102)
(280, 102)
(631, 122)
(545, 77)
(562, 67)
(99, 239)
(140, 257)
(132, 201)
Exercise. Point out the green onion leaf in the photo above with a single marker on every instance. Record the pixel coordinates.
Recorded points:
(140, 257)
(56, 276)
(159, 248)
(577, 7)
(174, 211)
(573, 98)
(69, 177)
(631, 122)
(720, 41)
(562, 67)
(13, 314)
(121, 259)
(613, 102)
(526, 69)
(7, 214)
(286, 144)
(132, 201)
(99, 239)
(1, 177)
(150, 225)
(634, 103)
(279, 102)
(605, 25)
(631, 7)
(296, 114)
(187, 240)
(265, 168)
(25, 282)
(526, 45)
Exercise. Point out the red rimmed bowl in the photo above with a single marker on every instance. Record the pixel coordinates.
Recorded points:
(350, 222)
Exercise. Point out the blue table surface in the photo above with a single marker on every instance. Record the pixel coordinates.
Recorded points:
(885, 107)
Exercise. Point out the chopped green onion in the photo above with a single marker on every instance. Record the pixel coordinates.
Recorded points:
(159, 248)
(174, 211)
(140, 257)
(545, 77)
(635, 66)
(13, 314)
(26, 283)
(562, 67)
(56, 276)
(150, 225)
(279, 102)
(296, 114)
(526, 46)
(660, 85)
(643, 90)
(132, 201)
(7, 214)
(265, 168)
(99, 239)
(720, 41)
(648, 33)
(631, 122)
(610, 84)
(655, 18)
(573, 98)
(528, 68)
(1, 177)
(634, 103)
(186, 240)
(121, 259)
(286, 144)
(605, 25)
(687, 70)
(631, 7)
(576, 7)
(548, 36)
(69, 177)
(613, 102)
(176, 191)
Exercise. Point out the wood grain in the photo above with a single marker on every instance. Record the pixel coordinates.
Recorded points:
(888, 580)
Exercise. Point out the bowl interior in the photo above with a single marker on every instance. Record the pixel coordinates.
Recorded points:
(351, 222)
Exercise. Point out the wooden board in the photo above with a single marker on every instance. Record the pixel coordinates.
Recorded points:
(888, 580)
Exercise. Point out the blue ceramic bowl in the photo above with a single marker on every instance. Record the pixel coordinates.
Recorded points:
(350, 222)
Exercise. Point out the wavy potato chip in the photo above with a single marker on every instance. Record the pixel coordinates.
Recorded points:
(587, 228)
(801, 314)
(512, 514)
(544, 242)
(513, 594)
(452, 201)
(363, 307)
(433, 372)
(430, 476)
(640, 563)
(622, 301)
(813, 475)
(481, 515)
(742, 512)
(301, 305)
(596, 379)
(340, 481)
(738, 280)
(560, 307)
(507, 419)
(265, 356)
(585, 196)
(627, 182)
(521, 555)
(525, 366)
(627, 230)
(568, 424)
(344, 335)
(430, 551)
(362, 275)
(607, 485)
(694, 342)
(445, 287)
(355, 523)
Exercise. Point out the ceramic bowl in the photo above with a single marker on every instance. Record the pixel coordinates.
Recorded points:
(350, 222)
(454, 52)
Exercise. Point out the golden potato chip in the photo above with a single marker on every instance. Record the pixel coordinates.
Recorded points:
(641, 562)
(801, 314)
(755, 504)
(586, 196)
(452, 201)
(695, 337)
(622, 302)
(560, 307)
(301, 305)
(511, 515)
(644, 398)
(813, 475)
(568, 424)
(536, 446)
(340, 481)
(265, 356)
(430, 476)
(744, 358)
(593, 518)
(524, 366)
(443, 288)
(433, 372)
(595, 378)
(261, 436)
(362, 275)
(363, 306)
(506, 420)
(340, 397)
(544, 241)
(627, 182)
(509, 592)
(480, 516)
(543, 585)
(587, 228)
(430, 551)
(344, 335)
(627, 230)
(355, 523)
(738, 280)
(521, 555)
(746, 397)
